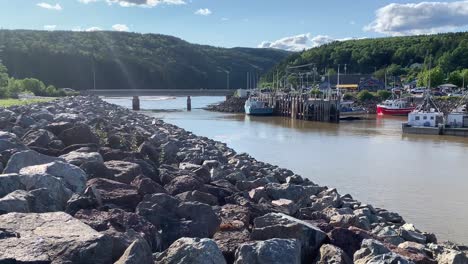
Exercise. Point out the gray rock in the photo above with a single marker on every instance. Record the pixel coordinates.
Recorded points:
(79, 134)
(183, 184)
(146, 186)
(137, 253)
(330, 254)
(192, 251)
(123, 171)
(79, 158)
(108, 192)
(373, 251)
(272, 251)
(17, 201)
(43, 114)
(197, 196)
(52, 237)
(277, 225)
(26, 158)
(38, 138)
(290, 191)
(409, 233)
(10, 183)
(24, 121)
(97, 170)
(73, 177)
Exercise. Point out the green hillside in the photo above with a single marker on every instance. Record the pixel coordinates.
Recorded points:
(128, 60)
(447, 52)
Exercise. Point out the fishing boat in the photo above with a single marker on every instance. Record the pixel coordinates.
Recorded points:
(253, 106)
(425, 119)
(349, 109)
(395, 106)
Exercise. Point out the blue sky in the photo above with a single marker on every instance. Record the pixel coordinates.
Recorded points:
(292, 24)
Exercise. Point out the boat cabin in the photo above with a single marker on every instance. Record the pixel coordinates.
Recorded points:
(457, 120)
(395, 104)
(425, 119)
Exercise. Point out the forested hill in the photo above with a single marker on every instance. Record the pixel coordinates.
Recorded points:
(128, 60)
(399, 55)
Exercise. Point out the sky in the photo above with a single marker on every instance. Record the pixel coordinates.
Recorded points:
(291, 25)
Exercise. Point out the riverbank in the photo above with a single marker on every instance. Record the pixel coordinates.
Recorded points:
(142, 184)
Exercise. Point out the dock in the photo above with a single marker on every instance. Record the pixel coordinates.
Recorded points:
(304, 107)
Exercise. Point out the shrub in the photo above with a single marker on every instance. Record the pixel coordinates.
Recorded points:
(384, 94)
(365, 95)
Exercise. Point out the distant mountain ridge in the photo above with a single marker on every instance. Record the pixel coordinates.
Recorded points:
(129, 60)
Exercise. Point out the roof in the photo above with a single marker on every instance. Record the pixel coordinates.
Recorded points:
(348, 86)
(448, 85)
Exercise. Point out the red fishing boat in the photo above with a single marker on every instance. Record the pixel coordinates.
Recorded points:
(395, 107)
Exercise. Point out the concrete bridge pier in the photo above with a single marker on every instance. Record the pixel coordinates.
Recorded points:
(189, 103)
(136, 103)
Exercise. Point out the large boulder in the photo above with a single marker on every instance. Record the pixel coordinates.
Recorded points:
(52, 238)
(54, 196)
(197, 196)
(137, 253)
(121, 226)
(192, 251)
(183, 184)
(332, 254)
(97, 169)
(38, 138)
(290, 191)
(10, 183)
(123, 171)
(79, 134)
(348, 239)
(272, 251)
(109, 192)
(146, 186)
(278, 225)
(178, 219)
(79, 158)
(26, 158)
(373, 251)
(35, 201)
(73, 177)
(17, 201)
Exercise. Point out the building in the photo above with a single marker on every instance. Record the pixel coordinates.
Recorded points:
(353, 82)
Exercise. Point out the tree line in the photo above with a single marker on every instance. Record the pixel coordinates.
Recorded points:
(120, 60)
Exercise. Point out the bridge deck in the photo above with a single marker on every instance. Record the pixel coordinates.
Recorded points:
(156, 92)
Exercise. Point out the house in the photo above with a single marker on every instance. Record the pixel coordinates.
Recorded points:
(353, 82)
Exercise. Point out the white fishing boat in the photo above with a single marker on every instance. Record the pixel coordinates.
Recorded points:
(253, 106)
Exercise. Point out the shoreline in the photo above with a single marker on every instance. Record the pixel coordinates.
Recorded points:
(180, 185)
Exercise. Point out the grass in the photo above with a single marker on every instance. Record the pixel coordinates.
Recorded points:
(12, 102)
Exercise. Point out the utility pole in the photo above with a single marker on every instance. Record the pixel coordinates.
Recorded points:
(338, 78)
(228, 72)
(248, 81)
(345, 69)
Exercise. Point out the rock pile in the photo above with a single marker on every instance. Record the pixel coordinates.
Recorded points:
(85, 181)
(231, 105)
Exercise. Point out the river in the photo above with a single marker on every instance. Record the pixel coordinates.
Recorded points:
(424, 178)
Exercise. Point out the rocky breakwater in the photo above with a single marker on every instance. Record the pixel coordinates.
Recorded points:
(231, 105)
(85, 181)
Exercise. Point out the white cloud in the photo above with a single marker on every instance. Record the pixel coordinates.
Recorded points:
(120, 27)
(203, 12)
(87, 1)
(50, 27)
(421, 18)
(299, 42)
(91, 29)
(140, 3)
(57, 7)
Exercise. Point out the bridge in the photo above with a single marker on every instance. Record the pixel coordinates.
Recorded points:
(161, 92)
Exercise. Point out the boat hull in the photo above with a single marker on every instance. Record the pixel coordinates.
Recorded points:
(259, 111)
(382, 110)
